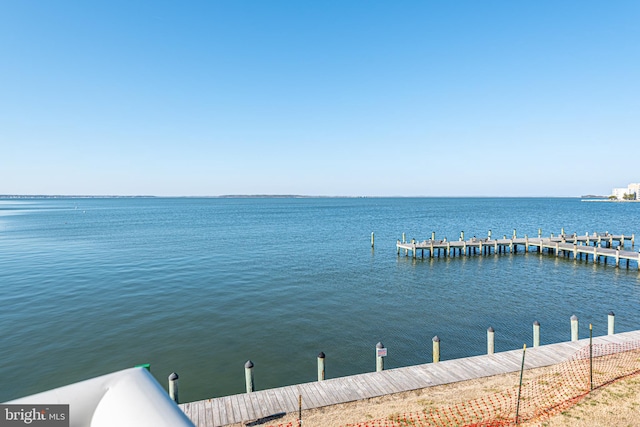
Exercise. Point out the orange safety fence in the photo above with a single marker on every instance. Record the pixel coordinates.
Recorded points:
(545, 393)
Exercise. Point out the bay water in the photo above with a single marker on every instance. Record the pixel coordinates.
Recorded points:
(89, 286)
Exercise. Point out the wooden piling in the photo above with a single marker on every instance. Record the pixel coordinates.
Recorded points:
(536, 334)
(436, 349)
(574, 328)
(490, 340)
(381, 352)
(372, 239)
(248, 376)
(321, 358)
(611, 325)
(173, 387)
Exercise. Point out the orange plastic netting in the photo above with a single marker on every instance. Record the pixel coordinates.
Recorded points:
(542, 395)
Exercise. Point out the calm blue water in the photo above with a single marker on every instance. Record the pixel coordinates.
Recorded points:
(199, 286)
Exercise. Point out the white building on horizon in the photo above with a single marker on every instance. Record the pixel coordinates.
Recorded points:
(631, 189)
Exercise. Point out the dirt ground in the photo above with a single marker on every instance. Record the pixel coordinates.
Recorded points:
(617, 404)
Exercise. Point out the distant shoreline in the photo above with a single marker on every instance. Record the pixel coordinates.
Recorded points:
(610, 201)
(272, 196)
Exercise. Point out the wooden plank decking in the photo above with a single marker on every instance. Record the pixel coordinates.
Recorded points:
(265, 403)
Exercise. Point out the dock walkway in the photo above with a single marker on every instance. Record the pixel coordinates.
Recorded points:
(597, 246)
(243, 408)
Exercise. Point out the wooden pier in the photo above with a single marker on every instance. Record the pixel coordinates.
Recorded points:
(268, 404)
(598, 246)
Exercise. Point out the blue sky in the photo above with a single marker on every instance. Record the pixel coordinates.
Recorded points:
(343, 98)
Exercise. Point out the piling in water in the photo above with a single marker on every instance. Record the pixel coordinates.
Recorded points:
(612, 321)
(248, 376)
(173, 387)
(381, 352)
(491, 334)
(436, 349)
(574, 328)
(321, 358)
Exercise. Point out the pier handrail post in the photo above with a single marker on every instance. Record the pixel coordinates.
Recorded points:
(248, 376)
(403, 238)
(539, 233)
(173, 387)
(321, 358)
(491, 335)
(514, 233)
(433, 235)
(462, 236)
(574, 328)
(436, 349)
(381, 352)
(611, 323)
(489, 235)
(536, 334)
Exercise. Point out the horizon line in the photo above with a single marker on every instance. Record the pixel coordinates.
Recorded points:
(283, 196)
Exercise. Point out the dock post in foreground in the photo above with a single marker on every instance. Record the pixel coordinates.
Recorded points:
(173, 387)
(321, 358)
(574, 328)
(536, 334)
(612, 321)
(491, 335)
(436, 349)
(248, 376)
(381, 352)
